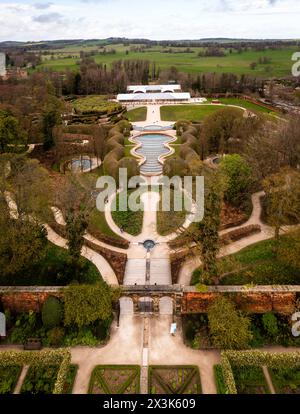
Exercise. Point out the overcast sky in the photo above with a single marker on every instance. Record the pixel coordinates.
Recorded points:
(152, 19)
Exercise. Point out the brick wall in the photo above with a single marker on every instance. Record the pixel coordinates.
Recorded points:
(258, 302)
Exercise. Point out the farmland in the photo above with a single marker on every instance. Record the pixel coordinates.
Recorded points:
(279, 61)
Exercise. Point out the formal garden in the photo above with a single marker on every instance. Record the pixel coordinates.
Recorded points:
(257, 372)
(174, 380)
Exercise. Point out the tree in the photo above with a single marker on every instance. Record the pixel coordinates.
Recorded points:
(208, 229)
(219, 127)
(76, 225)
(239, 175)
(11, 133)
(52, 312)
(50, 120)
(229, 328)
(22, 244)
(283, 199)
(29, 183)
(85, 304)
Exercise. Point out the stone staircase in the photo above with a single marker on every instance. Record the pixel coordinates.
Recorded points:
(160, 272)
(135, 272)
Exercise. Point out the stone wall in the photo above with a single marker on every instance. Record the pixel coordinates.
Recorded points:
(260, 299)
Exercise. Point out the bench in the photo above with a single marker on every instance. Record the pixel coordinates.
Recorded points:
(33, 344)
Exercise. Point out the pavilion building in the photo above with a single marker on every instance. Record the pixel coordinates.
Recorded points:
(154, 94)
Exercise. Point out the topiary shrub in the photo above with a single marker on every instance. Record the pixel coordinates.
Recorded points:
(52, 312)
(270, 324)
(56, 336)
(175, 166)
(131, 165)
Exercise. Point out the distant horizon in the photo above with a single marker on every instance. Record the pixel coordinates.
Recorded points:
(151, 40)
(33, 20)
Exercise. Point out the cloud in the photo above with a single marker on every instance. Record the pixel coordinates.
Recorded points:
(48, 18)
(42, 6)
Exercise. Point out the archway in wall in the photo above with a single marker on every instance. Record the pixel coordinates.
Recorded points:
(166, 306)
(126, 306)
(146, 305)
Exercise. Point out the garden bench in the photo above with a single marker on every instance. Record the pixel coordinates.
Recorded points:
(33, 344)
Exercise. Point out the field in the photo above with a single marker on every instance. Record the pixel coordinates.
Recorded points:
(238, 63)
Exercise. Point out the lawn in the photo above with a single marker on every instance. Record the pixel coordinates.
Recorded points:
(174, 380)
(99, 224)
(250, 379)
(115, 379)
(247, 105)
(169, 221)
(256, 264)
(137, 114)
(130, 221)
(238, 63)
(188, 112)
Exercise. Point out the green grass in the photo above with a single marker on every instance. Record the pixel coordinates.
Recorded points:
(127, 150)
(247, 105)
(99, 223)
(256, 264)
(188, 112)
(137, 114)
(169, 221)
(194, 113)
(130, 221)
(189, 62)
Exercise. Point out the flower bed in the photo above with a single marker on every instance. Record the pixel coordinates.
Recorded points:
(115, 379)
(41, 379)
(174, 380)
